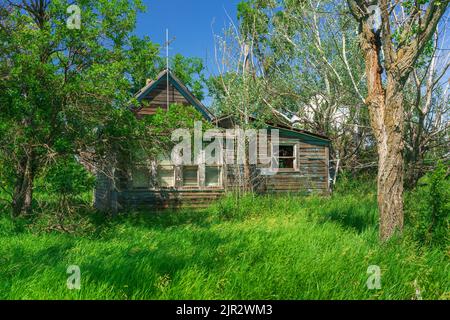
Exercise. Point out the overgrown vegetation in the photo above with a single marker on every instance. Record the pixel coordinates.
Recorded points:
(264, 247)
(66, 102)
(67, 93)
(429, 208)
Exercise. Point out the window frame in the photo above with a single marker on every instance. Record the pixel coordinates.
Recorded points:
(148, 177)
(294, 157)
(158, 170)
(220, 180)
(197, 185)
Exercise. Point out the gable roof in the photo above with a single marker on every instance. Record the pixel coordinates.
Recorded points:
(184, 91)
(307, 136)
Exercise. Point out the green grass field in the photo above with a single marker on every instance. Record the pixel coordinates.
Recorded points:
(259, 248)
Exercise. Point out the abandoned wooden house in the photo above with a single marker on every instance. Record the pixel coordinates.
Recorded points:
(303, 162)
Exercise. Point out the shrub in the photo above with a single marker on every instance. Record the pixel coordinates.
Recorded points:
(428, 208)
(68, 178)
(62, 195)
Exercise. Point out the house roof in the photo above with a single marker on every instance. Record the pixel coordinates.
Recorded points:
(178, 84)
(187, 94)
(306, 135)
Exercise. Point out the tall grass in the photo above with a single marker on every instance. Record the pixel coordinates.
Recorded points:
(267, 247)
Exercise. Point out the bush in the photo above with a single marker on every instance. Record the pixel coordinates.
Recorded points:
(64, 193)
(68, 178)
(428, 208)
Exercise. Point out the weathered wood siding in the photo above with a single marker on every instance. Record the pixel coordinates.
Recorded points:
(235, 177)
(311, 176)
(158, 99)
(168, 199)
(310, 173)
(153, 197)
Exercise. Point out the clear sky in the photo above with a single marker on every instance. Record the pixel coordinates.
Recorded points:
(190, 22)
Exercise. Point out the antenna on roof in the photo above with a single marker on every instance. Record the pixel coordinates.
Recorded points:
(167, 46)
(167, 66)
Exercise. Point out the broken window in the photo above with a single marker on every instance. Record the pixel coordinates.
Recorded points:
(286, 157)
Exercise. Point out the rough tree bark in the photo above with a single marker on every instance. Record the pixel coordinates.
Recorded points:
(390, 153)
(386, 116)
(385, 96)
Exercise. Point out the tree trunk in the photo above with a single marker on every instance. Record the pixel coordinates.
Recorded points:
(23, 191)
(386, 105)
(386, 117)
(390, 173)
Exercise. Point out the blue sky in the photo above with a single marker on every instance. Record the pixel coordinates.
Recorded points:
(191, 22)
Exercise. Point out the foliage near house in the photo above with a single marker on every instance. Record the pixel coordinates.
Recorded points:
(66, 92)
(68, 102)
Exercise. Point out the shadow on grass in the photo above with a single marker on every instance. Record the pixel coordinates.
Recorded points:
(156, 220)
(354, 213)
(349, 220)
(357, 212)
(351, 213)
(126, 270)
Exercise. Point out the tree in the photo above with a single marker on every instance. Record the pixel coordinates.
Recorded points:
(190, 72)
(306, 70)
(391, 48)
(427, 109)
(318, 70)
(64, 90)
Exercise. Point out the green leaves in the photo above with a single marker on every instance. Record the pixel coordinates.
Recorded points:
(143, 61)
(67, 91)
(190, 72)
(254, 20)
(410, 5)
(429, 208)
(68, 177)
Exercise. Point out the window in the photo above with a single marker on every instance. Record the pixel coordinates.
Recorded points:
(140, 178)
(190, 176)
(286, 156)
(212, 176)
(166, 176)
